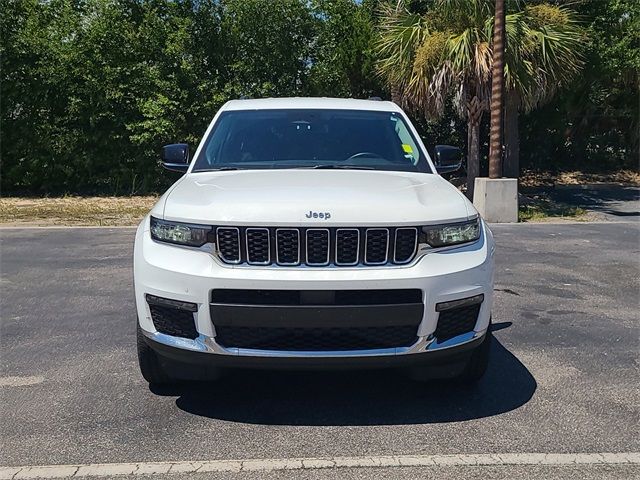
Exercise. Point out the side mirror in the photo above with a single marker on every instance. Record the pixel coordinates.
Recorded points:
(175, 157)
(447, 159)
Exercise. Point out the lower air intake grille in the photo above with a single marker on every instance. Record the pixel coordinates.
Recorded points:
(172, 321)
(316, 339)
(456, 322)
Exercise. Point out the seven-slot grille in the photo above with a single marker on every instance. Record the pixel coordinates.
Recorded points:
(317, 247)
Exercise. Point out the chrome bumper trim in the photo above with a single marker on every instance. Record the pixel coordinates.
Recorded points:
(206, 344)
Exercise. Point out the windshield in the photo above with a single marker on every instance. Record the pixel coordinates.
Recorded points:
(295, 138)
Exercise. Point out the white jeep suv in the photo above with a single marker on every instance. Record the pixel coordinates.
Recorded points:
(312, 233)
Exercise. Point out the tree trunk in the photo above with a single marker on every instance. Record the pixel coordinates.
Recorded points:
(396, 97)
(511, 167)
(496, 135)
(474, 117)
(473, 155)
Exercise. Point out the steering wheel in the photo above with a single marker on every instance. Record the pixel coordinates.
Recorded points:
(363, 154)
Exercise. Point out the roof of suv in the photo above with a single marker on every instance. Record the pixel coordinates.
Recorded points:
(311, 103)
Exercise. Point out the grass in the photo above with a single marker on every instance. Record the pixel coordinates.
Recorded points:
(545, 210)
(86, 211)
(125, 211)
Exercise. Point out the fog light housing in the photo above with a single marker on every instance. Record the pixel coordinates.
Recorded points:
(167, 302)
(463, 302)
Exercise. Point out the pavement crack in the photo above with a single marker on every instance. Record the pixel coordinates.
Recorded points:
(506, 290)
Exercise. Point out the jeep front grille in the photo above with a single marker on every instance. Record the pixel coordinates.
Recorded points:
(405, 244)
(287, 246)
(229, 244)
(258, 246)
(349, 241)
(317, 247)
(376, 246)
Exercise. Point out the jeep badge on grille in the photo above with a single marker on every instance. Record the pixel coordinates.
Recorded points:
(322, 215)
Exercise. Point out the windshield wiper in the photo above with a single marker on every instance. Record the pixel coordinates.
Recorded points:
(221, 169)
(344, 167)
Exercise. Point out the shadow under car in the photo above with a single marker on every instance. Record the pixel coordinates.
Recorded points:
(355, 398)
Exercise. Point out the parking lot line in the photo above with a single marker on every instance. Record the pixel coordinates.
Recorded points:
(272, 465)
(16, 381)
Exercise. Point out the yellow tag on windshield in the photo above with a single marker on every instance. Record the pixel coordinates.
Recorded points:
(407, 148)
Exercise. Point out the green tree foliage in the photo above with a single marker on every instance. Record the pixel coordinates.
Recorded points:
(594, 124)
(91, 89)
(268, 47)
(344, 55)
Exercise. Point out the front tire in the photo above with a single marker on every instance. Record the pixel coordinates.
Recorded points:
(150, 366)
(467, 373)
(477, 365)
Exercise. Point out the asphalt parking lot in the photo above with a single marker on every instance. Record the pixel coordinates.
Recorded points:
(606, 202)
(563, 378)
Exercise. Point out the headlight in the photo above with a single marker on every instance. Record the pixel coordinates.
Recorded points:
(452, 234)
(179, 233)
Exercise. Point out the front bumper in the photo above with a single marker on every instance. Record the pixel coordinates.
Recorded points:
(443, 360)
(189, 275)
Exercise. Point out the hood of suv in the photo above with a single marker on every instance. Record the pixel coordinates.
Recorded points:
(315, 198)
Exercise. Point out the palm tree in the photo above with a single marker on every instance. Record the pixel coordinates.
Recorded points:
(544, 53)
(496, 137)
(447, 54)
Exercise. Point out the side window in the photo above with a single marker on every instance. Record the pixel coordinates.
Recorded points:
(410, 149)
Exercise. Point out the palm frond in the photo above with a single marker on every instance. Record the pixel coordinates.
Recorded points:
(461, 49)
(431, 75)
(447, 52)
(482, 61)
(554, 45)
(401, 34)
